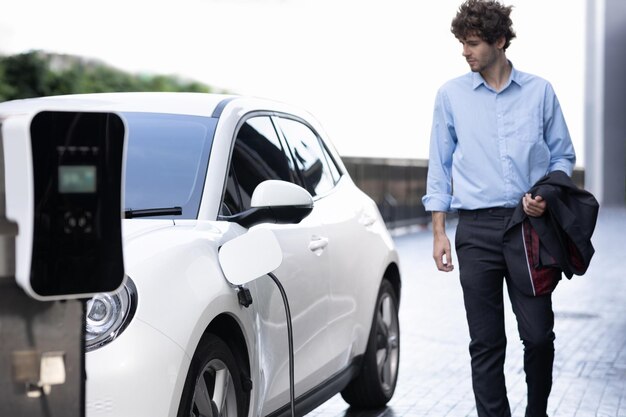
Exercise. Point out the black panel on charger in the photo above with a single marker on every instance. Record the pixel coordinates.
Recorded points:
(77, 167)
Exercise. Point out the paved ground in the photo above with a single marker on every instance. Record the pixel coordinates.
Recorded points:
(590, 364)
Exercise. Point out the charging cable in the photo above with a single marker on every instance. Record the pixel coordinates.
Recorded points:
(292, 401)
(261, 261)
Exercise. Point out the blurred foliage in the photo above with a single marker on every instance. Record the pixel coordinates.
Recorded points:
(36, 74)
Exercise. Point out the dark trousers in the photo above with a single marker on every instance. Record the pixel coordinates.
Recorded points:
(482, 270)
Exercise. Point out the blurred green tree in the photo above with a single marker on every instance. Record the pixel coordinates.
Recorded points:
(24, 75)
(37, 73)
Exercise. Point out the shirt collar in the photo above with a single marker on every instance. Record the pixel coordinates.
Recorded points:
(515, 77)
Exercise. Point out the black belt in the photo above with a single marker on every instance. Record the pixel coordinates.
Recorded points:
(489, 211)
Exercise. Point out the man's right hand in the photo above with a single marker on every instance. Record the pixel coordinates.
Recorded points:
(442, 253)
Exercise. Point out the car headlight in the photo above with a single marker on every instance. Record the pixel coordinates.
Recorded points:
(108, 314)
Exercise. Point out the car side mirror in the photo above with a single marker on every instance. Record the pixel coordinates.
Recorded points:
(250, 256)
(275, 201)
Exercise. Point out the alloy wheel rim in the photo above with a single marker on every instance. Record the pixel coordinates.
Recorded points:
(214, 394)
(387, 343)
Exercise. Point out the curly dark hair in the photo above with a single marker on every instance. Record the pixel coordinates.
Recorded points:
(486, 19)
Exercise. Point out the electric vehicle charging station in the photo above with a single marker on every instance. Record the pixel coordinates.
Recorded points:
(60, 243)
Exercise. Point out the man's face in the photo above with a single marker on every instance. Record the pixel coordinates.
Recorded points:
(479, 54)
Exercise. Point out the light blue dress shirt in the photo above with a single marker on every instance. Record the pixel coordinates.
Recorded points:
(488, 148)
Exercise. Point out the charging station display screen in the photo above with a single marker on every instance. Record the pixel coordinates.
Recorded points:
(77, 179)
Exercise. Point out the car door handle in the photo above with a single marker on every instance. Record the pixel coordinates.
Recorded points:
(318, 244)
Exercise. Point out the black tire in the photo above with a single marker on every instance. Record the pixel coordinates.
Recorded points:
(213, 385)
(376, 382)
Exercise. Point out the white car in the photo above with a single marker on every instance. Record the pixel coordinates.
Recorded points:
(178, 339)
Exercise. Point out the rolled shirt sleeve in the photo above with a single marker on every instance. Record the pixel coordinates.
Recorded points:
(442, 143)
(556, 134)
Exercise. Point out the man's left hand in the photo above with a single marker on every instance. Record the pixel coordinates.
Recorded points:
(534, 207)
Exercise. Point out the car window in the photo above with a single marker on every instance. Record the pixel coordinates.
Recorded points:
(166, 161)
(334, 169)
(309, 156)
(258, 155)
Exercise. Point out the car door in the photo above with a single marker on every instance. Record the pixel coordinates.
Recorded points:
(259, 154)
(350, 220)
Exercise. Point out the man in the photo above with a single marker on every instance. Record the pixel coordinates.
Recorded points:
(496, 131)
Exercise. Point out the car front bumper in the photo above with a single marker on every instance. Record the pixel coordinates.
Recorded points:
(141, 373)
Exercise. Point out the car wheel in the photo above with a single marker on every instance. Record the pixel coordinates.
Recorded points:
(213, 385)
(374, 385)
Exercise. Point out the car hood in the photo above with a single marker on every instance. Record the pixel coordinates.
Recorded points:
(146, 240)
(134, 229)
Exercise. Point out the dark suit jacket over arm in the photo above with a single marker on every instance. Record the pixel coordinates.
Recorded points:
(538, 249)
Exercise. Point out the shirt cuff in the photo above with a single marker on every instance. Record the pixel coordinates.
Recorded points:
(565, 167)
(437, 202)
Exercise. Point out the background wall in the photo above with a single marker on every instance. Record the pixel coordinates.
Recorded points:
(605, 101)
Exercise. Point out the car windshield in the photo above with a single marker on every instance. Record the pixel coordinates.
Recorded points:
(166, 161)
